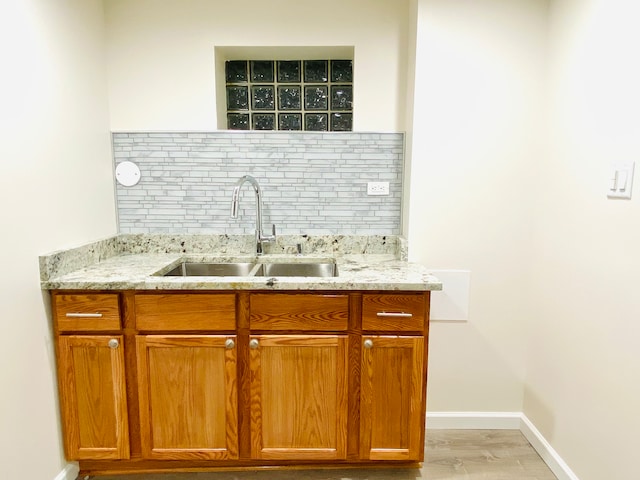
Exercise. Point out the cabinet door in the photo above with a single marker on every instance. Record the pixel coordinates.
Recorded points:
(298, 397)
(93, 397)
(188, 396)
(392, 398)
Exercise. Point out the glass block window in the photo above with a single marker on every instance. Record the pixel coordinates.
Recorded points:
(314, 95)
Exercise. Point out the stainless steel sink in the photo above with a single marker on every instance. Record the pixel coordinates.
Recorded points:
(187, 269)
(319, 269)
(250, 269)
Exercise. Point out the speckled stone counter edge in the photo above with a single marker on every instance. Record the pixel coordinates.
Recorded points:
(62, 262)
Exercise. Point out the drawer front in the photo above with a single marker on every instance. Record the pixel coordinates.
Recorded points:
(394, 312)
(87, 312)
(281, 311)
(183, 312)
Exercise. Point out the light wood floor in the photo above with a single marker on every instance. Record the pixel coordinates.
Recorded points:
(449, 455)
(482, 454)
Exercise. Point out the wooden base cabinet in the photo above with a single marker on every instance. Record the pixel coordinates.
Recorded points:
(93, 396)
(188, 396)
(298, 397)
(161, 381)
(391, 400)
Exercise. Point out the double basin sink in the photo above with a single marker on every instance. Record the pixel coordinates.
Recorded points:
(253, 269)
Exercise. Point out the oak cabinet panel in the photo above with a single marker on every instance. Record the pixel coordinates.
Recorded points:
(87, 312)
(295, 311)
(394, 312)
(93, 397)
(185, 311)
(298, 397)
(188, 396)
(392, 398)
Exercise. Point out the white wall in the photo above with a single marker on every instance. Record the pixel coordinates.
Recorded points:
(56, 190)
(522, 108)
(553, 310)
(161, 55)
(476, 142)
(583, 380)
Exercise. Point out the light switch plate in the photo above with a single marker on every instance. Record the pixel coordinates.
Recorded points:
(620, 180)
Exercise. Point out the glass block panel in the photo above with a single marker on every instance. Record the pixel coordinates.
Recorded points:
(289, 94)
(264, 121)
(262, 71)
(341, 122)
(237, 98)
(316, 71)
(341, 97)
(262, 97)
(290, 121)
(236, 71)
(341, 71)
(238, 121)
(315, 98)
(289, 98)
(288, 71)
(315, 121)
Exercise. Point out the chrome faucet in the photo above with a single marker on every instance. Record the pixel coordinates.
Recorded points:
(260, 236)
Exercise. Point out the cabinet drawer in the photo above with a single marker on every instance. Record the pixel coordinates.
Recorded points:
(394, 312)
(82, 312)
(182, 312)
(282, 311)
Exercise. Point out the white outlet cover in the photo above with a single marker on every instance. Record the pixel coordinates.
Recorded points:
(378, 188)
(127, 174)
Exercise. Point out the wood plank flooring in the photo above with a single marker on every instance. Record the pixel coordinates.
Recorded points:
(482, 454)
(449, 455)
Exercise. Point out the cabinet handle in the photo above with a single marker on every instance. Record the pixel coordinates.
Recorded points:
(83, 315)
(229, 344)
(395, 314)
(113, 343)
(253, 344)
(368, 343)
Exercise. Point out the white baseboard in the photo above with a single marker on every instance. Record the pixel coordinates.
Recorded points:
(70, 472)
(474, 420)
(504, 421)
(546, 451)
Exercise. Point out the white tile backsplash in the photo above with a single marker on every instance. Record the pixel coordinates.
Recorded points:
(312, 183)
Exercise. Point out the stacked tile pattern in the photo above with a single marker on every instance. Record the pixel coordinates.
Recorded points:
(312, 182)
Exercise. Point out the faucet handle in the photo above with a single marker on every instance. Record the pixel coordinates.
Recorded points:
(267, 238)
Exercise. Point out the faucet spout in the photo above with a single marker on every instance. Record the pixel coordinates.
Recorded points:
(235, 203)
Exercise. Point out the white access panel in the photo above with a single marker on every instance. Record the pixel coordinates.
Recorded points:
(452, 302)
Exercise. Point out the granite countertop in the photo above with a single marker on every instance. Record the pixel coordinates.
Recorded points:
(132, 262)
